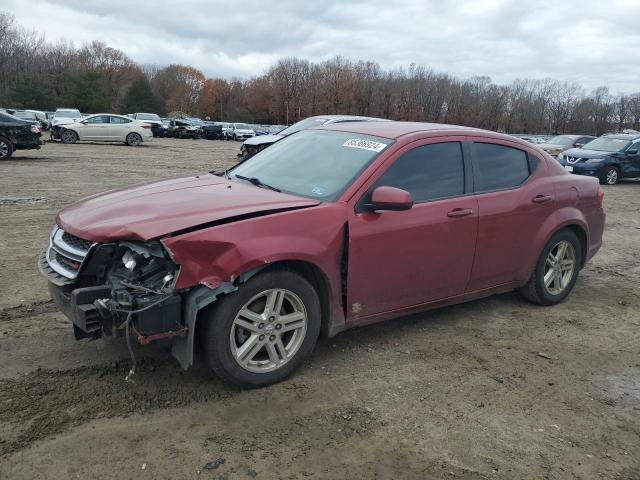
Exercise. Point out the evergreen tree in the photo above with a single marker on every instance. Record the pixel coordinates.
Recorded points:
(141, 98)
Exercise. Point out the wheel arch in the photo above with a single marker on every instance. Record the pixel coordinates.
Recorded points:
(202, 298)
(566, 218)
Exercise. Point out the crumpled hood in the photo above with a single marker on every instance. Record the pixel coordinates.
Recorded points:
(262, 139)
(157, 209)
(584, 153)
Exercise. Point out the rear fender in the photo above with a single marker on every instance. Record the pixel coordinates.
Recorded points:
(558, 220)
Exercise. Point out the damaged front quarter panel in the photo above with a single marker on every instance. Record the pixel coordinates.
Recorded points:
(217, 260)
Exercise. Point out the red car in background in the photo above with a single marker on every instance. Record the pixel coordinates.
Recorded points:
(329, 228)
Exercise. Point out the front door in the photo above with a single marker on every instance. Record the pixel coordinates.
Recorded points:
(400, 259)
(95, 128)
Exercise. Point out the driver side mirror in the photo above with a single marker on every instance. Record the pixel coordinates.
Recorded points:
(579, 145)
(390, 198)
(632, 152)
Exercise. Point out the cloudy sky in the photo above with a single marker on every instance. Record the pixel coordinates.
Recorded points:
(591, 42)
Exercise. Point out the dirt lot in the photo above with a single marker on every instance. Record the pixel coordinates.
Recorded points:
(461, 392)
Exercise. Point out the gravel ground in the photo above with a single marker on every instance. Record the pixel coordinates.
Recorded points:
(496, 388)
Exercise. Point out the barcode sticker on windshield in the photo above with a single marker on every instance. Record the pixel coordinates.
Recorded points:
(364, 144)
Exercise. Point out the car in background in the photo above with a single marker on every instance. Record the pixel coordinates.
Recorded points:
(609, 158)
(181, 128)
(239, 131)
(17, 134)
(107, 127)
(33, 116)
(254, 145)
(331, 228)
(61, 117)
(211, 130)
(152, 119)
(261, 130)
(560, 143)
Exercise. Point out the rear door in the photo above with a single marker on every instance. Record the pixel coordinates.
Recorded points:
(398, 259)
(119, 127)
(514, 199)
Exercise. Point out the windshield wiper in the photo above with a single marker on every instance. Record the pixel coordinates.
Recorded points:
(257, 182)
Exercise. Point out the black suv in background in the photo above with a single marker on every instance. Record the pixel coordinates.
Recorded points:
(608, 158)
(17, 134)
(212, 131)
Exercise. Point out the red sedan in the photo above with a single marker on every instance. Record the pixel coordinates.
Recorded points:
(327, 229)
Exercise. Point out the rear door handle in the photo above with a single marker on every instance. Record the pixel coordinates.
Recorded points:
(542, 198)
(459, 212)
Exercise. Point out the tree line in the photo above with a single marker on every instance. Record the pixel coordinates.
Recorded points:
(38, 74)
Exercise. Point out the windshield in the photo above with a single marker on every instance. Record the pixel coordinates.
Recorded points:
(560, 140)
(607, 144)
(314, 163)
(148, 116)
(68, 114)
(242, 126)
(304, 124)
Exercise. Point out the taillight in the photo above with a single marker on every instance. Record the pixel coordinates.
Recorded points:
(600, 195)
(146, 125)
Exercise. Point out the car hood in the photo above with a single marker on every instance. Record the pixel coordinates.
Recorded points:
(584, 153)
(262, 139)
(153, 210)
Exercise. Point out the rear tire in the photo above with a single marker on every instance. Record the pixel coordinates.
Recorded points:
(6, 149)
(262, 346)
(68, 137)
(556, 271)
(133, 139)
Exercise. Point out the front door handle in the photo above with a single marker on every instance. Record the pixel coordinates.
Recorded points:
(459, 212)
(542, 198)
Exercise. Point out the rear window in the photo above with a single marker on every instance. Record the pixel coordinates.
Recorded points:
(498, 167)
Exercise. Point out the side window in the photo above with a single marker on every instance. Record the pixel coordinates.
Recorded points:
(498, 167)
(428, 172)
(98, 119)
(119, 120)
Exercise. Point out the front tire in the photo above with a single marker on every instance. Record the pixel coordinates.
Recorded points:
(68, 137)
(261, 334)
(6, 149)
(611, 176)
(556, 271)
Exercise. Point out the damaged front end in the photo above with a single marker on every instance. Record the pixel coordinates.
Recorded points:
(114, 289)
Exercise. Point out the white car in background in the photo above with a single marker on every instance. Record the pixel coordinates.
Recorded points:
(107, 127)
(63, 116)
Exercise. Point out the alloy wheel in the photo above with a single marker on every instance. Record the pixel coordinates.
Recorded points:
(4, 149)
(612, 176)
(268, 330)
(68, 136)
(134, 139)
(559, 267)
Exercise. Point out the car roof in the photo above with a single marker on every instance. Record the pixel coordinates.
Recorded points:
(622, 136)
(394, 130)
(342, 118)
